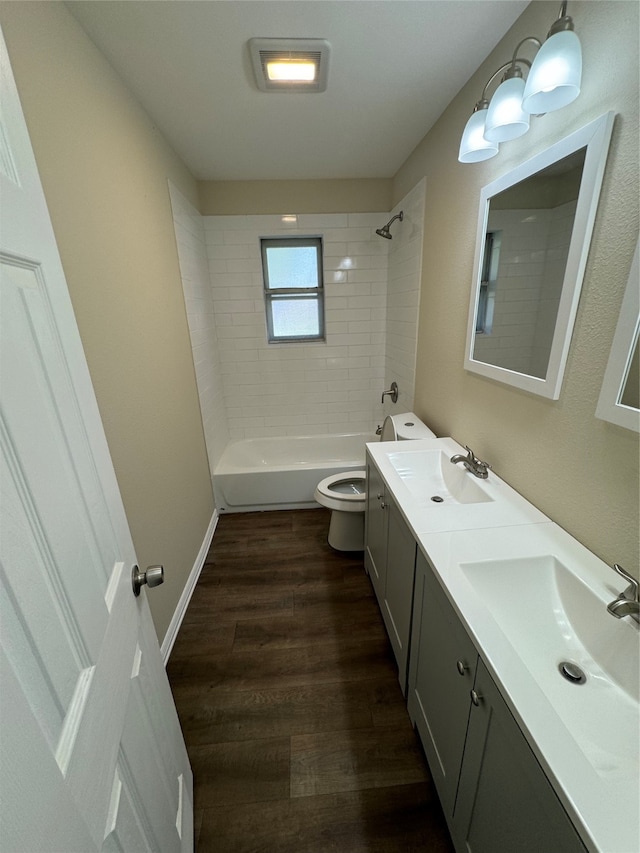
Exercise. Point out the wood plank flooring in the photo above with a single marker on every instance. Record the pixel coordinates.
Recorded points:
(288, 696)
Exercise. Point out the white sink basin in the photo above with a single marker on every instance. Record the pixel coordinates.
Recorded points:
(431, 474)
(551, 616)
(434, 495)
(532, 597)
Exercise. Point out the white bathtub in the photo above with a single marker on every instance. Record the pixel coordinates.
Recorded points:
(282, 473)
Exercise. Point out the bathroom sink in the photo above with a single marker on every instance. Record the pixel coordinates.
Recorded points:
(533, 600)
(430, 474)
(435, 496)
(557, 623)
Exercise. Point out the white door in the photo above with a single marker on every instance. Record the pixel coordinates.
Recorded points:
(91, 753)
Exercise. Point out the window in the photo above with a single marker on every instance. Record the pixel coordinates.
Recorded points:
(293, 292)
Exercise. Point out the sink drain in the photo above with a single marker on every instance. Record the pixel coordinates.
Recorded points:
(572, 672)
(437, 499)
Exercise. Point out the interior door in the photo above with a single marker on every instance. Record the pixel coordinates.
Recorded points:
(91, 753)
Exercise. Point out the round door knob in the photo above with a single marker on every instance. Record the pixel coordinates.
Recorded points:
(153, 576)
(462, 667)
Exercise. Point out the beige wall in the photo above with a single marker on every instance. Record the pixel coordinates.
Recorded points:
(232, 198)
(104, 168)
(579, 470)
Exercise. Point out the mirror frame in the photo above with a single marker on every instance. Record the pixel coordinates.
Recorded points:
(595, 136)
(609, 408)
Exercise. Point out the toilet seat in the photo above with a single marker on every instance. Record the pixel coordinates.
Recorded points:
(346, 493)
(351, 498)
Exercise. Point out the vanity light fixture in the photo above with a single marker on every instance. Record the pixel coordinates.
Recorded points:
(290, 65)
(553, 81)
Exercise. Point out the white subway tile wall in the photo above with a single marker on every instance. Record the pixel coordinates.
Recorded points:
(403, 298)
(250, 388)
(194, 271)
(301, 388)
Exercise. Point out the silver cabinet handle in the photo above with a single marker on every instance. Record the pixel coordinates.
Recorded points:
(462, 667)
(153, 576)
(476, 698)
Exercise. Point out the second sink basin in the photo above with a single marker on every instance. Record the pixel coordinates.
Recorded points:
(553, 618)
(532, 599)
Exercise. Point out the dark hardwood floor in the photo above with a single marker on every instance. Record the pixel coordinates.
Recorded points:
(287, 693)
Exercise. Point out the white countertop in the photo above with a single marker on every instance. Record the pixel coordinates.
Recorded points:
(586, 736)
(503, 507)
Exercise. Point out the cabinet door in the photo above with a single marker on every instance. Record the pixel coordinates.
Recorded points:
(505, 801)
(376, 531)
(441, 673)
(398, 592)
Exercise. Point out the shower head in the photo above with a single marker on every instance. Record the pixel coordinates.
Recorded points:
(384, 231)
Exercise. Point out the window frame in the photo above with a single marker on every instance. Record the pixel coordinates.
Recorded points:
(488, 280)
(273, 294)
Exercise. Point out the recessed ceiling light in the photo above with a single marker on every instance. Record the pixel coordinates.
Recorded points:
(293, 70)
(290, 65)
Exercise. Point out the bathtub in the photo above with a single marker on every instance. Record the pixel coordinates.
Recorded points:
(282, 473)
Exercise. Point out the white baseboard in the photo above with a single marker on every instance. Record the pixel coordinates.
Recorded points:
(187, 592)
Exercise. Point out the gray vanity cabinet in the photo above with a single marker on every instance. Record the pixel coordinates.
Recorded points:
(494, 794)
(441, 675)
(505, 801)
(375, 531)
(390, 556)
(397, 602)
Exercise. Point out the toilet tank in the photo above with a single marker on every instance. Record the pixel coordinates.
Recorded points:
(404, 427)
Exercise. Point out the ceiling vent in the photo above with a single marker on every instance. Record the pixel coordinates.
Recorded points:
(290, 65)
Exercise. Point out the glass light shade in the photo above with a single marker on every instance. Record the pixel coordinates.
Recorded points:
(554, 78)
(473, 146)
(506, 119)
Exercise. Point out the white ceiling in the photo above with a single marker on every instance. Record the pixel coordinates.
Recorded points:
(395, 65)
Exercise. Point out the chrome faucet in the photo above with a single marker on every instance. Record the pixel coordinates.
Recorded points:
(628, 602)
(471, 462)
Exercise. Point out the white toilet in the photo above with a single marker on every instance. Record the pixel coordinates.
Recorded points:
(345, 494)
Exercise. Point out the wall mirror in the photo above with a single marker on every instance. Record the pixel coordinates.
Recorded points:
(534, 229)
(619, 401)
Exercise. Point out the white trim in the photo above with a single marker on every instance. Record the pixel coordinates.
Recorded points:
(187, 592)
(595, 136)
(624, 343)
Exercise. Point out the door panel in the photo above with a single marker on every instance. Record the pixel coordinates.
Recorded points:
(91, 753)
(398, 591)
(501, 775)
(439, 700)
(376, 531)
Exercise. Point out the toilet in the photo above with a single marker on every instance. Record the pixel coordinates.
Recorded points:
(346, 494)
